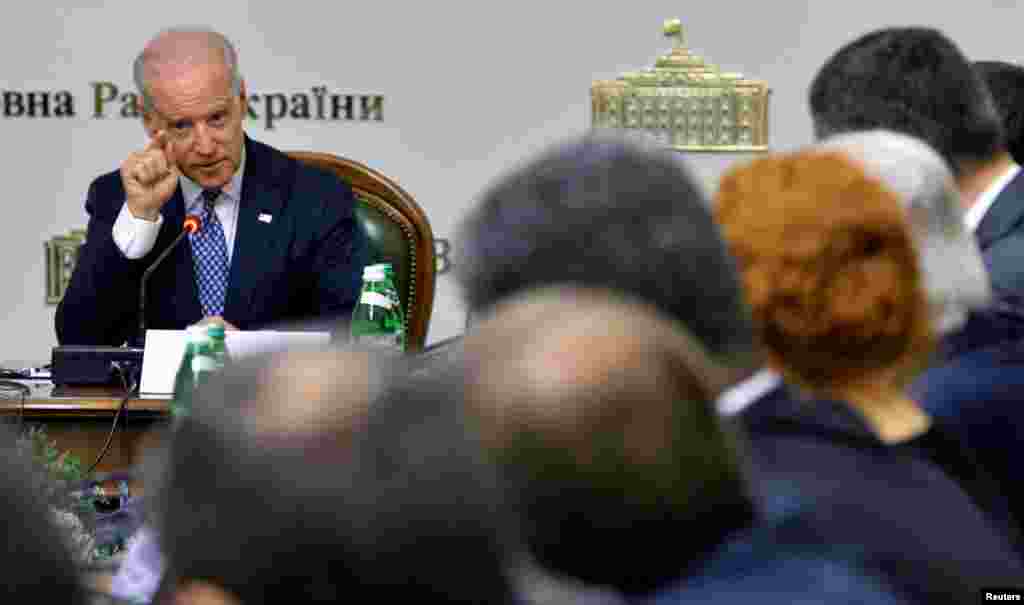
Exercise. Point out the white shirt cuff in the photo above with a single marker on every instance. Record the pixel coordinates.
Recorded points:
(135, 237)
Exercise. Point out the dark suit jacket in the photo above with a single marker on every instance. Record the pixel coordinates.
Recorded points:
(1001, 237)
(977, 391)
(780, 561)
(912, 521)
(306, 262)
(1000, 324)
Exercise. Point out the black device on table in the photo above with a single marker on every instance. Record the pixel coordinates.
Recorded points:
(88, 365)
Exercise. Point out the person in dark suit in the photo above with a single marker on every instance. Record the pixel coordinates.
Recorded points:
(916, 81)
(278, 241)
(977, 386)
(843, 313)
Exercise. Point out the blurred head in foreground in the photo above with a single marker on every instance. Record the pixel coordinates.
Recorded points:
(38, 566)
(952, 268)
(598, 412)
(607, 212)
(832, 275)
(304, 479)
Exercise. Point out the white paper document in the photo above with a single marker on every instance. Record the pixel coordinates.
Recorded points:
(165, 348)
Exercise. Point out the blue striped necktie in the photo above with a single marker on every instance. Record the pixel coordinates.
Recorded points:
(210, 257)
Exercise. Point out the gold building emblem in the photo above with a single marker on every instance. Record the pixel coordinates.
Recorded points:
(61, 257)
(685, 102)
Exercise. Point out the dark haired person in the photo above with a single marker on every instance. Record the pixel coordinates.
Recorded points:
(1006, 83)
(608, 212)
(916, 81)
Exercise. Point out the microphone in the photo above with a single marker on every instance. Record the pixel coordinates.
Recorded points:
(191, 224)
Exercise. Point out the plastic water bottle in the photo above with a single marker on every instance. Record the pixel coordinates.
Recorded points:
(204, 362)
(218, 348)
(184, 380)
(389, 275)
(392, 292)
(377, 320)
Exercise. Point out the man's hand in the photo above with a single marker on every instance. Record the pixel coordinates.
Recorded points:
(150, 177)
(216, 320)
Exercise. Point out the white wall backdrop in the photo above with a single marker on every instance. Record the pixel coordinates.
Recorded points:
(470, 89)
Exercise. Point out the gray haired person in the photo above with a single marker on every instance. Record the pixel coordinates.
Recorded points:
(958, 291)
(954, 272)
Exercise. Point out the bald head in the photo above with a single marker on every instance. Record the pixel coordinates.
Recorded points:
(274, 408)
(174, 51)
(572, 361)
(303, 393)
(285, 481)
(599, 411)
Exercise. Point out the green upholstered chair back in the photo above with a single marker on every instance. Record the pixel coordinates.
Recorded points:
(398, 232)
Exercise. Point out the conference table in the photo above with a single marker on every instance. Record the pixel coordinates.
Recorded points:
(79, 418)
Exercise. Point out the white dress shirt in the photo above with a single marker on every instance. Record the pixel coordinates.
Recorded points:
(741, 395)
(135, 237)
(977, 212)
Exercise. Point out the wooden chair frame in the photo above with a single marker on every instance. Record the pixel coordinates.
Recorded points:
(380, 192)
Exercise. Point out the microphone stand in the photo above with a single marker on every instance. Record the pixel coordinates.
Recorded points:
(190, 225)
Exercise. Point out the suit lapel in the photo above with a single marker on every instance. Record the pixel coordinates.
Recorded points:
(1005, 214)
(255, 240)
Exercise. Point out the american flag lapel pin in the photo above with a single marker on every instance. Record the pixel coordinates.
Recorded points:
(265, 218)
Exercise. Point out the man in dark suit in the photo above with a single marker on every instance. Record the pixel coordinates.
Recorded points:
(916, 81)
(278, 240)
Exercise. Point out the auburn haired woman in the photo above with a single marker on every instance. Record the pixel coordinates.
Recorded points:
(834, 283)
(832, 278)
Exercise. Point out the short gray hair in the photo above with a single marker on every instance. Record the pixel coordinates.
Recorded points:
(230, 59)
(953, 270)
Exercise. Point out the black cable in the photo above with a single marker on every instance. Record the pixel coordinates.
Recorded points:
(130, 392)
